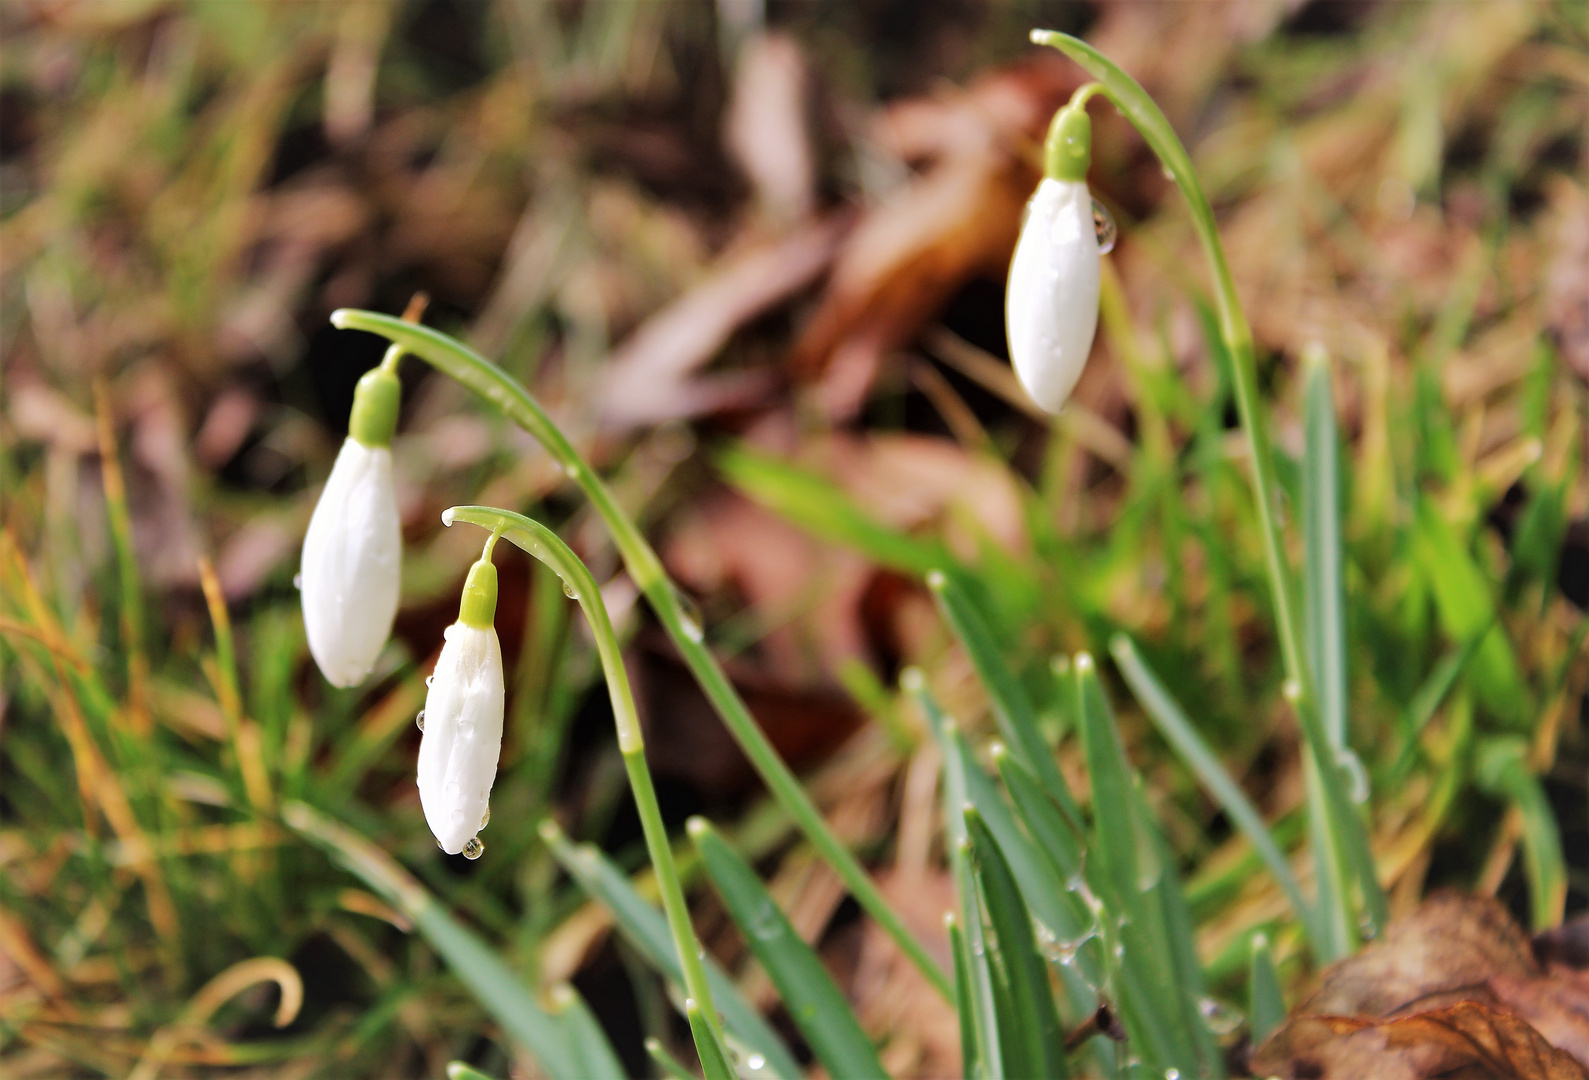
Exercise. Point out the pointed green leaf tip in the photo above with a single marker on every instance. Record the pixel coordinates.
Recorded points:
(375, 403)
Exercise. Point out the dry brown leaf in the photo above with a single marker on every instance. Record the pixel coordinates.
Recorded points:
(1567, 281)
(1452, 941)
(765, 128)
(650, 378)
(1468, 1039)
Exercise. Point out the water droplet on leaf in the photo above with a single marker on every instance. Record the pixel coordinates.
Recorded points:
(1103, 224)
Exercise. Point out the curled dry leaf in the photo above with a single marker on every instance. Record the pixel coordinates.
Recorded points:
(1455, 989)
(1468, 1039)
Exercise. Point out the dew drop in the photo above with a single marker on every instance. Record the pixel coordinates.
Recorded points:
(690, 628)
(1221, 1018)
(457, 816)
(419, 721)
(569, 591)
(473, 848)
(765, 924)
(1103, 224)
(297, 581)
(485, 819)
(428, 680)
(755, 1063)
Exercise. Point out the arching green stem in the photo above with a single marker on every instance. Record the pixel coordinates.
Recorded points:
(492, 383)
(546, 546)
(1340, 818)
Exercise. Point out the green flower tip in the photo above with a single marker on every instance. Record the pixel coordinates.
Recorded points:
(1067, 152)
(375, 403)
(479, 605)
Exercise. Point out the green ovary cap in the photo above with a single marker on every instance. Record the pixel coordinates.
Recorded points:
(375, 402)
(478, 608)
(1068, 150)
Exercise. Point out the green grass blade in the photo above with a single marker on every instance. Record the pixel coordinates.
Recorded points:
(983, 979)
(1162, 1014)
(1183, 736)
(1012, 706)
(1266, 1002)
(970, 1056)
(592, 1049)
(474, 371)
(714, 1060)
(825, 510)
(1323, 587)
(671, 1067)
(644, 927)
(1501, 768)
(457, 1070)
(1035, 1025)
(1430, 695)
(498, 990)
(817, 1006)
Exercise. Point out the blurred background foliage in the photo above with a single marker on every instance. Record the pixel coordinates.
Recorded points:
(751, 258)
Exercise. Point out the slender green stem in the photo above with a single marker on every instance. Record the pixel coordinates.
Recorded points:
(546, 546)
(1340, 817)
(486, 379)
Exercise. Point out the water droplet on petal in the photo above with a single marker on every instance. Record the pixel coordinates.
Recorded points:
(473, 848)
(485, 819)
(1103, 224)
(428, 680)
(419, 721)
(297, 581)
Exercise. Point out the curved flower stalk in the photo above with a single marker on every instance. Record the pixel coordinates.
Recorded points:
(352, 554)
(462, 721)
(1051, 302)
(545, 545)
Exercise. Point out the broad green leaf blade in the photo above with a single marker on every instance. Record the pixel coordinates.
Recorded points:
(644, 927)
(817, 1006)
(1181, 734)
(1035, 1027)
(1322, 578)
(1266, 1003)
(714, 1060)
(592, 1050)
(499, 991)
(1501, 768)
(1012, 706)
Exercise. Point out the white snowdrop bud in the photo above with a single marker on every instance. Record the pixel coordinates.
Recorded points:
(463, 719)
(1051, 302)
(352, 555)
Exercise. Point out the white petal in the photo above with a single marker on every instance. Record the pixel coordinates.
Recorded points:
(1051, 303)
(352, 563)
(463, 735)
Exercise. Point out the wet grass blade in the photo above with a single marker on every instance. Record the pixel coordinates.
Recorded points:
(1012, 706)
(1036, 1040)
(817, 1006)
(1183, 736)
(970, 1055)
(644, 927)
(498, 990)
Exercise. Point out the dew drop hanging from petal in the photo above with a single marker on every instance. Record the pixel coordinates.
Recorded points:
(1103, 224)
(473, 848)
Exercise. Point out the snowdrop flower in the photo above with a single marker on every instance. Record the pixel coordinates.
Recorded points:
(462, 720)
(1051, 302)
(352, 554)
